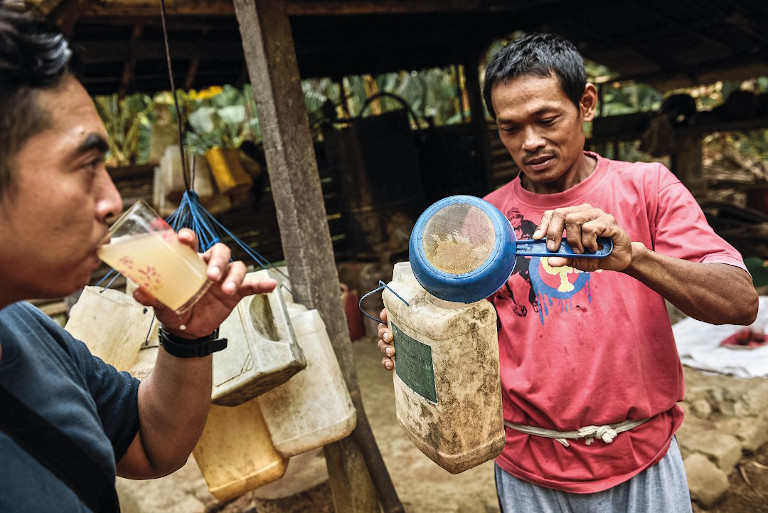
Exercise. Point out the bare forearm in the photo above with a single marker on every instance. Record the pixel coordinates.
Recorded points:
(173, 405)
(713, 293)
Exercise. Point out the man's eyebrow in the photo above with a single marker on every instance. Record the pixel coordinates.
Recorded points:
(93, 142)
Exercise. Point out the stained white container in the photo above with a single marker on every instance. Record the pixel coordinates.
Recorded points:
(112, 324)
(235, 452)
(446, 378)
(146, 361)
(314, 407)
(262, 350)
(172, 175)
(147, 354)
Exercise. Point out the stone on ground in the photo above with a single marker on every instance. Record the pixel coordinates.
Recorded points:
(706, 482)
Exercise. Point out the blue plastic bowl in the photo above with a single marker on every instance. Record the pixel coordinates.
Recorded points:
(472, 286)
(490, 275)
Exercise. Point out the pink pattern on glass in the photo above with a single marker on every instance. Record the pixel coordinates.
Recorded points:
(151, 279)
(127, 262)
(159, 225)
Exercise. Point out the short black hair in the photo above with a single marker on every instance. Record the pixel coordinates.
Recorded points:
(537, 54)
(34, 56)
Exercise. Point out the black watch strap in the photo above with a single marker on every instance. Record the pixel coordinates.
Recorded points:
(191, 348)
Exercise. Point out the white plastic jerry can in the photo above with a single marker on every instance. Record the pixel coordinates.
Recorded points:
(314, 407)
(147, 354)
(446, 378)
(235, 452)
(262, 351)
(112, 324)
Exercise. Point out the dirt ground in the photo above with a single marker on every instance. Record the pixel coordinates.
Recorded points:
(748, 491)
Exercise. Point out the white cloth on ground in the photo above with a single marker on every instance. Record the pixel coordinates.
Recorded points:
(698, 345)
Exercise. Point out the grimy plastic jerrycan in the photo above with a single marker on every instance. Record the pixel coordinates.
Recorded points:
(112, 324)
(314, 407)
(262, 350)
(446, 378)
(235, 452)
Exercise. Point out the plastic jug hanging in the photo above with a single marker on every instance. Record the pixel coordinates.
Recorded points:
(235, 452)
(446, 378)
(112, 324)
(262, 352)
(314, 407)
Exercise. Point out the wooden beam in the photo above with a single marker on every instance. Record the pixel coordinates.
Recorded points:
(100, 51)
(189, 80)
(340, 7)
(477, 113)
(65, 15)
(297, 193)
(142, 8)
(43, 7)
(127, 75)
(295, 7)
(194, 62)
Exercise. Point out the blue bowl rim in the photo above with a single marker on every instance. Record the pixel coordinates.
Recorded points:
(428, 275)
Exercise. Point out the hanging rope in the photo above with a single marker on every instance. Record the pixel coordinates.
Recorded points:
(382, 286)
(191, 214)
(187, 182)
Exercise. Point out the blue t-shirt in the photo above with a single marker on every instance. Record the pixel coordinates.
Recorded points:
(56, 375)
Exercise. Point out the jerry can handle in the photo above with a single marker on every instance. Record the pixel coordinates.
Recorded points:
(382, 287)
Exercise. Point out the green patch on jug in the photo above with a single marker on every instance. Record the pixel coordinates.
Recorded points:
(413, 364)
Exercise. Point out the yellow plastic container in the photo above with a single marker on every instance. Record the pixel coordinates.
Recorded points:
(227, 170)
(235, 452)
(314, 407)
(446, 379)
(262, 350)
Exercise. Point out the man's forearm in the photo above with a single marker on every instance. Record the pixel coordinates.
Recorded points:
(713, 293)
(173, 405)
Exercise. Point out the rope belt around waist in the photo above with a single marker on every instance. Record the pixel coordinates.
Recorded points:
(606, 433)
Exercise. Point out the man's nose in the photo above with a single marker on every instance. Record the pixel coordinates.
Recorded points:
(532, 140)
(108, 200)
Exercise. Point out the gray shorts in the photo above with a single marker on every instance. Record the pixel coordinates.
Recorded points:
(662, 487)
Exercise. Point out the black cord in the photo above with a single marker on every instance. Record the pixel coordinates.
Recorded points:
(184, 170)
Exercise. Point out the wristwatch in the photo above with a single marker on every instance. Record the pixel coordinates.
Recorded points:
(191, 348)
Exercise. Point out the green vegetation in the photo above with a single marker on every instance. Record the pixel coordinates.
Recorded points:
(128, 124)
(226, 116)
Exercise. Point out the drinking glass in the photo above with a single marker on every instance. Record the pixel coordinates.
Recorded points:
(144, 248)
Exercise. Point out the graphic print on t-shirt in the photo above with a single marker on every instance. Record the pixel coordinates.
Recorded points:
(559, 284)
(519, 280)
(535, 280)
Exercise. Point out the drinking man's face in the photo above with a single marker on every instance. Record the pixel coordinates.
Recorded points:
(55, 212)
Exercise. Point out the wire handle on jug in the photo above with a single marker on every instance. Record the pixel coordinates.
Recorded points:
(383, 286)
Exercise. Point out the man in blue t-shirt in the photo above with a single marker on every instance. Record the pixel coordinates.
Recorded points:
(79, 414)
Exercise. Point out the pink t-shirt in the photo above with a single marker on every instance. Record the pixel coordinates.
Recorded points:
(579, 349)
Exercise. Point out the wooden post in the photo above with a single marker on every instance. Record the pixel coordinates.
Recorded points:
(477, 113)
(354, 464)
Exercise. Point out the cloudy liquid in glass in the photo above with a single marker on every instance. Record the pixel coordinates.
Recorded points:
(169, 270)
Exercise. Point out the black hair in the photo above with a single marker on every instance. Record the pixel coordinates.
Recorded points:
(34, 56)
(542, 55)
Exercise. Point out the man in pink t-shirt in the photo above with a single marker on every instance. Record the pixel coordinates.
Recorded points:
(590, 374)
